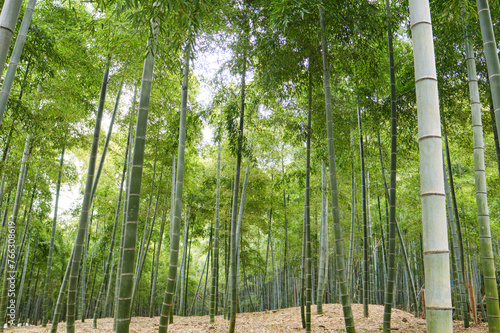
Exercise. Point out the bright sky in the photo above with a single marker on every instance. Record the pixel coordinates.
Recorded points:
(205, 67)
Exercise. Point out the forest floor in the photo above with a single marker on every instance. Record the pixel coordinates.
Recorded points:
(283, 320)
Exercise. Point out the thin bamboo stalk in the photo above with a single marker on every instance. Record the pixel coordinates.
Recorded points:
(184, 260)
(106, 143)
(240, 218)
(391, 197)
(105, 311)
(155, 274)
(234, 275)
(62, 292)
(83, 223)
(167, 305)
(364, 215)
(199, 283)
(307, 223)
(487, 260)
(130, 235)
(323, 246)
(113, 235)
(460, 269)
(215, 256)
(29, 287)
(339, 247)
(350, 261)
(208, 268)
(51, 246)
(11, 262)
(142, 255)
(490, 53)
(23, 274)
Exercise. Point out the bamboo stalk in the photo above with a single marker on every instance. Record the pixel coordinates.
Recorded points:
(113, 235)
(142, 255)
(307, 240)
(436, 254)
(366, 278)
(11, 263)
(51, 246)
(124, 219)
(215, 256)
(8, 21)
(339, 251)
(167, 305)
(155, 274)
(487, 260)
(62, 292)
(106, 143)
(83, 223)
(490, 53)
(323, 246)
(16, 52)
(130, 235)
(234, 275)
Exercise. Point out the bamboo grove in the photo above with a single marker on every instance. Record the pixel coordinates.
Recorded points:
(208, 158)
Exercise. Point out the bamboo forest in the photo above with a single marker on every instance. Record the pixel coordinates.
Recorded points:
(249, 166)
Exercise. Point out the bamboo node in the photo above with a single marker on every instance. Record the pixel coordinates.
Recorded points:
(440, 308)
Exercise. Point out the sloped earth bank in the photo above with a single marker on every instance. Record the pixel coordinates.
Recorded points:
(285, 320)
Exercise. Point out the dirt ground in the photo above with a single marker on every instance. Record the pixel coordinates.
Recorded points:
(286, 320)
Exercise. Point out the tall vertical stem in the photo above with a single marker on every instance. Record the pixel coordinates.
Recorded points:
(130, 234)
(83, 224)
(435, 235)
(113, 235)
(8, 21)
(167, 305)
(62, 292)
(156, 261)
(215, 256)
(323, 245)
(16, 55)
(234, 277)
(337, 229)
(455, 254)
(365, 220)
(11, 261)
(307, 220)
(487, 257)
(490, 53)
(51, 246)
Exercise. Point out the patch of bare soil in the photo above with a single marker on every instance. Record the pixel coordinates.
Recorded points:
(285, 320)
